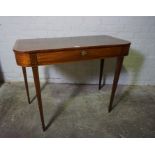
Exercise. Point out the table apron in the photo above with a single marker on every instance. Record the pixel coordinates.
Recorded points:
(47, 57)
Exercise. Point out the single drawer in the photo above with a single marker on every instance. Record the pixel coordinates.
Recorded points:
(76, 55)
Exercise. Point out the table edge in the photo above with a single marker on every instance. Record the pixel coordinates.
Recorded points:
(70, 48)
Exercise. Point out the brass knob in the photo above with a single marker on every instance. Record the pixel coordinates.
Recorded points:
(83, 53)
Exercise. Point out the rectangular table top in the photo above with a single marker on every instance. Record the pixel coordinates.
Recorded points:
(46, 44)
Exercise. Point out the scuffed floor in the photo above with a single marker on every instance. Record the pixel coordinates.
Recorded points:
(77, 111)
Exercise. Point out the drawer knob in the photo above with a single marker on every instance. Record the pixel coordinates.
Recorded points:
(83, 53)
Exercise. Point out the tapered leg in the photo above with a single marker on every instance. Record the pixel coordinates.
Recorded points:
(101, 73)
(38, 93)
(115, 81)
(26, 83)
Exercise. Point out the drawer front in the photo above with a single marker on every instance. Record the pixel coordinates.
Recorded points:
(75, 55)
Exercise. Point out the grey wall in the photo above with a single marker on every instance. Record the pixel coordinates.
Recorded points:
(139, 66)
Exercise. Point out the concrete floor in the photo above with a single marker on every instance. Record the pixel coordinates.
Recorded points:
(77, 111)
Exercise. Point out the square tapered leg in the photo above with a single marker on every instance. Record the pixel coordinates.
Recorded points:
(38, 94)
(115, 81)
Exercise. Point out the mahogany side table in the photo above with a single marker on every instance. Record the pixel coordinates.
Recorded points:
(46, 51)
